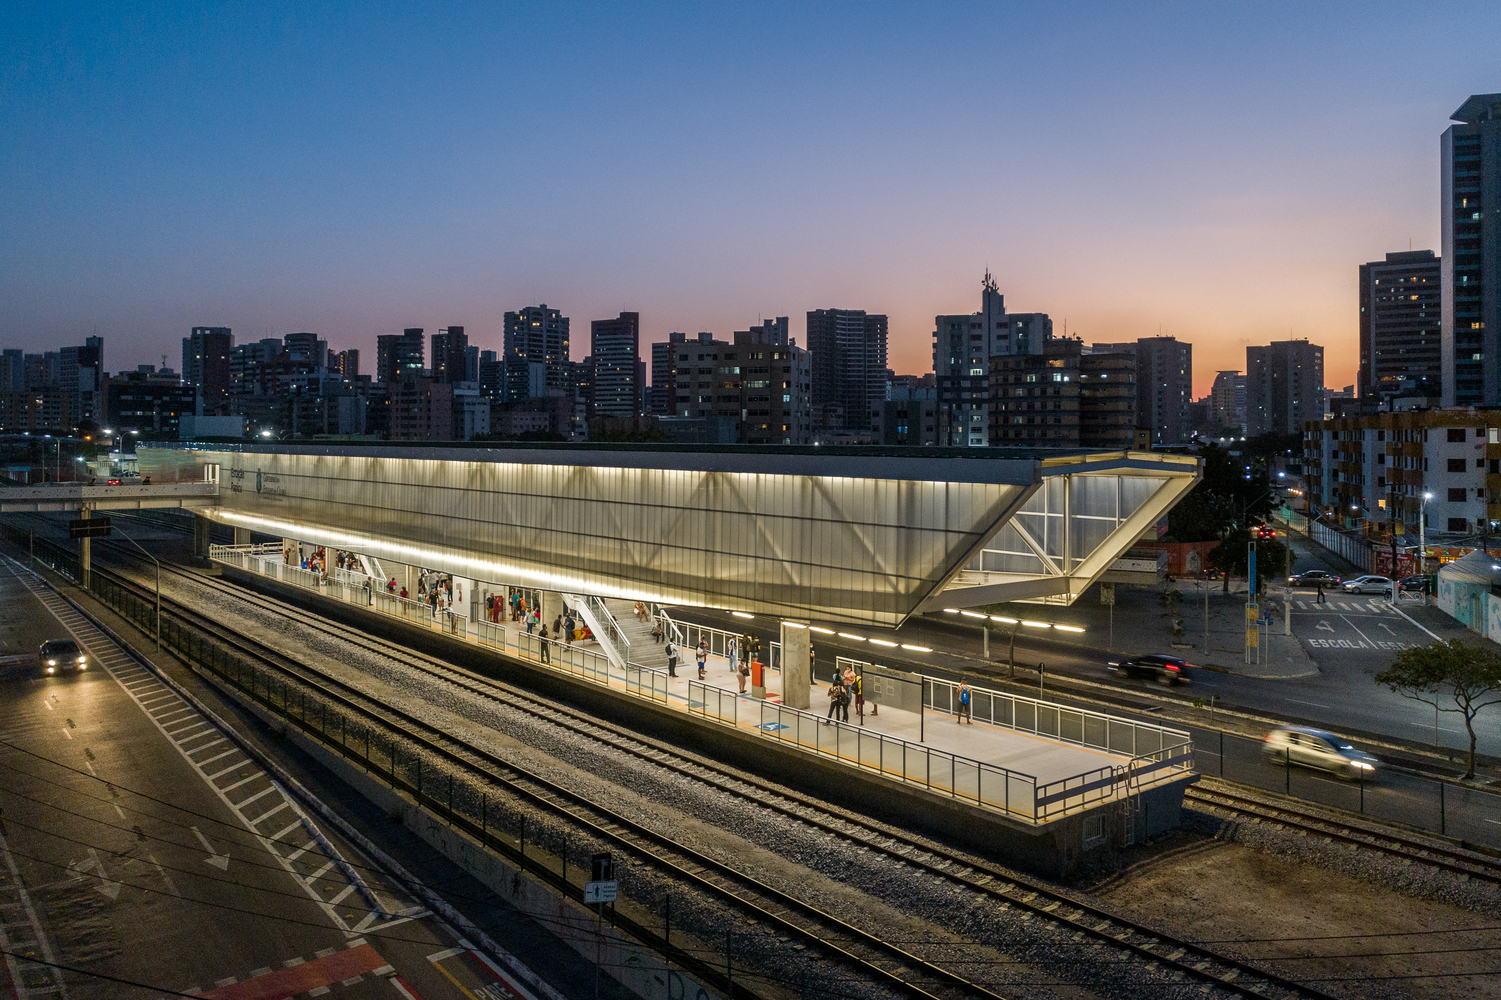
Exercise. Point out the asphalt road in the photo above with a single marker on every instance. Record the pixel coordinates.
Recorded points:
(141, 845)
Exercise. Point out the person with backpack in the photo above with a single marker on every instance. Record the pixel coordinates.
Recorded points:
(703, 655)
(964, 704)
(672, 659)
(836, 696)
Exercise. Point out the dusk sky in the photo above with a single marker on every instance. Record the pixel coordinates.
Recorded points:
(353, 169)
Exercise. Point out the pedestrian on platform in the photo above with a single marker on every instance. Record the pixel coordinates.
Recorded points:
(729, 649)
(404, 594)
(858, 687)
(546, 647)
(391, 587)
(964, 704)
(742, 674)
(672, 659)
(531, 622)
(703, 655)
(745, 649)
(836, 694)
(557, 625)
(756, 649)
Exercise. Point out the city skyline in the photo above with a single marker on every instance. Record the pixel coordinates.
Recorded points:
(173, 168)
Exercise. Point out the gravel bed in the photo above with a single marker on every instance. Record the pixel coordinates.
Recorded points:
(1377, 867)
(1011, 951)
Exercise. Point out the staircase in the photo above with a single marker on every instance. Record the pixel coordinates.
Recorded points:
(644, 650)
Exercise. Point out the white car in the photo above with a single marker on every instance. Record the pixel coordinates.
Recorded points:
(1368, 585)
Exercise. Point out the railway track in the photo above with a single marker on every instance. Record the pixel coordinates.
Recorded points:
(895, 967)
(989, 882)
(1458, 861)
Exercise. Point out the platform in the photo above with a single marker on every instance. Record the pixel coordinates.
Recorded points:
(1031, 760)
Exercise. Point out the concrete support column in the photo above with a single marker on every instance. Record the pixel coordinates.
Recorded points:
(796, 667)
(242, 535)
(552, 606)
(85, 551)
(200, 535)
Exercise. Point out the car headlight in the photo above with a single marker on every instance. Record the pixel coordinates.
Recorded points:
(82, 658)
(51, 663)
(1363, 766)
(51, 670)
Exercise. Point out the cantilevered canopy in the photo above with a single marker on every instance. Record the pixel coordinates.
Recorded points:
(858, 535)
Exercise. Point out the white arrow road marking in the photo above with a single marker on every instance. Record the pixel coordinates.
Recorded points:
(110, 889)
(1325, 627)
(219, 861)
(1388, 628)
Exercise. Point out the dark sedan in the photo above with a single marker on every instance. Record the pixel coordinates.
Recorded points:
(1312, 578)
(1163, 669)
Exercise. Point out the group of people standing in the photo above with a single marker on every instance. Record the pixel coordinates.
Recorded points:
(847, 687)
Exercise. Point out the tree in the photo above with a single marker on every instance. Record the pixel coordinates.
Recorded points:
(1230, 557)
(1443, 672)
(1229, 495)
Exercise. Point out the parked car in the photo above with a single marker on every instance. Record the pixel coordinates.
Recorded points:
(1369, 584)
(1164, 669)
(1413, 584)
(1321, 749)
(1312, 578)
(60, 654)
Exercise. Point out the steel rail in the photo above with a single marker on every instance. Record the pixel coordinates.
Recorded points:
(886, 961)
(994, 883)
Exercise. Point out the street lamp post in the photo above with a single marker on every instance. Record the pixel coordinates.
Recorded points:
(1423, 535)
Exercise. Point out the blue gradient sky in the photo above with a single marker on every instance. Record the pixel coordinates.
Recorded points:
(354, 169)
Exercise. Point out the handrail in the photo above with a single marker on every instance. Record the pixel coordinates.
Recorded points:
(616, 632)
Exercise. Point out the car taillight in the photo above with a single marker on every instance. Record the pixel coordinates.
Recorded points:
(1172, 666)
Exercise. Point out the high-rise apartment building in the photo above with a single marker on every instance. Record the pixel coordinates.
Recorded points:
(345, 363)
(1062, 398)
(13, 370)
(849, 365)
(1227, 401)
(205, 365)
(615, 347)
(81, 378)
(535, 335)
(762, 382)
(1284, 387)
(962, 349)
(1164, 386)
(664, 371)
(306, 351)
(450, 357)
(1470, 271)
(398, 355)
(1400, 307)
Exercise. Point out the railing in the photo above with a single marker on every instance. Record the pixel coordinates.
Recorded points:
(602, 614)
(646, 682)
(1060, 722)
(687, 635)
(940, 771)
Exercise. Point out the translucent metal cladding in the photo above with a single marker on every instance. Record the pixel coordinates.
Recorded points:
(859, 549)
(1071, 530)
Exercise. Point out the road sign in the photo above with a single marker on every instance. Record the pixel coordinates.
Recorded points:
(1107, 593)
(600, 892)
(88, 527)
(1252, 638)
(1252, 613)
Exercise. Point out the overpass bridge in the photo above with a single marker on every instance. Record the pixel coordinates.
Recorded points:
(55, 497)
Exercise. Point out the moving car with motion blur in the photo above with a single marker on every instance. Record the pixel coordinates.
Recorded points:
(1164, 669)
(1320, 749)
(57, 655)
(1266, 533)
(1312, 578)
(1369, 584)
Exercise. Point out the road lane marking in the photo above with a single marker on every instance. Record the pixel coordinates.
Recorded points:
(1424, 725)
(1404, 614)
(1358, 631)
(1297, 702)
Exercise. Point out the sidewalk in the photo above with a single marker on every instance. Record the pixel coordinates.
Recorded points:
(1143, 623)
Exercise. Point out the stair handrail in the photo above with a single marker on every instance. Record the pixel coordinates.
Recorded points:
(616, 632)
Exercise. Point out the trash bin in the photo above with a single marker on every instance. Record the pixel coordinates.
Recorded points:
(758, 679)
